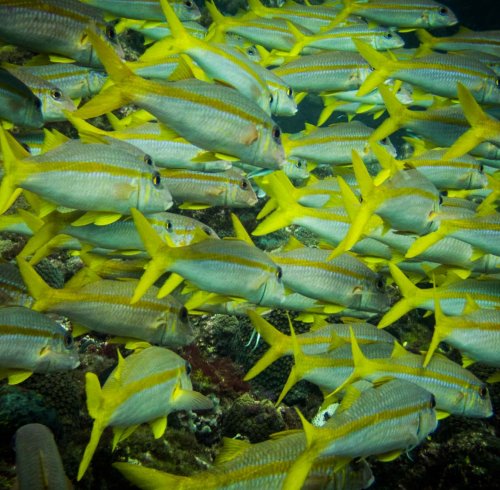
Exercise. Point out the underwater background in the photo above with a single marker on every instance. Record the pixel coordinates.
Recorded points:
(461, 453)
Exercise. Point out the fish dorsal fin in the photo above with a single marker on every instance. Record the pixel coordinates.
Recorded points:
(231, 449)
(363, 178)
(293, 244)
(470, 305)
(240, 231)
(398, 351)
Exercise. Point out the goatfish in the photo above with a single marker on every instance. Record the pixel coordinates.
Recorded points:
(55, 27)
(441, 126)
(452, 295)
(110, 177)
(18, 104)
(38, 462)
(438, 73)
(345, 280)
(406, 189)
(144, 387)
(475, 333)
(244, 466)
(211, 116)
(456, 390)
(59, 230)
(54, 101)
(32, 342)
(216, 266)
(381, 421)
(147, 9)
(13, 291)
(483, 127)
(333, 145)
(196, 190)
(464, 40)
(397, 13)
(104, 306)
(74, 81)
(320, 339)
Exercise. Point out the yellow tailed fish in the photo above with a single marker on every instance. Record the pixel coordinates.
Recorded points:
(382, 421)
(211, 116)
(111, 177)
(452, 295)
(438, 73)
(32, 342)
(144, 388)
(456, 390)
(54, 27)
(212, 265)
(475, 333)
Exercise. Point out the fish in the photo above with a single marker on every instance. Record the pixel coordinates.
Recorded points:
(38, 461)
(223, 262)
(143, 388)
(438, 73)
(382, 421)
(55, 27)
(456, 390)
(18, 104)
(475, 333)
(72, 172)
(452, 295)
(32, 342)
(237, 126)
(104, 306)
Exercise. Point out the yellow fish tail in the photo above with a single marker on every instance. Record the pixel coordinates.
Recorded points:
(152, 479)
(382, 65)
(97, 431)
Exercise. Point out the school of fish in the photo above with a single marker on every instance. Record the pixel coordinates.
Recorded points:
(196, 124)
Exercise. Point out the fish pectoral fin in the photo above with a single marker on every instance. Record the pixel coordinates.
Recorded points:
(251, 136)
(121, 433)
(158, 426)
(17, 376)
(390, 456)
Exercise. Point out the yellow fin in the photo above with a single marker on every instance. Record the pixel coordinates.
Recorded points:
(158, 426)
(231, 449)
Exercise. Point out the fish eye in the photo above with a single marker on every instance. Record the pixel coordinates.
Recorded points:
(188, 368)
(380, 284)
(244, 184)
(156, 179)
(289, 92)
(385, 141)
(183, 314)
(251, 51)
(443, 11)
(207, 230)
(433, 401)
(68, 340)
(188, 4)
(56, 94)
(299, 164)
(279, 273)
(271, 98)
(168, 225)
(497, 82)
(148, 160)
(276, 133)
(110, 33)
(38, 103)
(388, 35)
(440, 199)
(481, 168)
(483, 392)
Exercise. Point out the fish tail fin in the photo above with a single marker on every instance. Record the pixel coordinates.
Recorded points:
(149, 478)
(410, 294)
(97, 430)
(37, 287)
(278, 186)
(422, 243)
(279, 344)
(301, 40)
(257, 7)
(479, 131)
(438, 331)
(156, 248)
(114, 96)
(398, 114)
(86, 129)
(12, 153)
(382, 65)
(176, 28)
(425, 38)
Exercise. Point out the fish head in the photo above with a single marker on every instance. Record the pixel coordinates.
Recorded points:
(174, 327)
(439, 16)
(153, 195)
(271, 291)
(89, 55)
(186, 10)
(475, 178)
(476, 401)
(427, 419)
(491, 92)
(390, 39)
(54, 103)
(240, 191)
(59, 354)
(283, 103)
(371, 295)
(268, 149)
(95, 82)
(296, 168)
